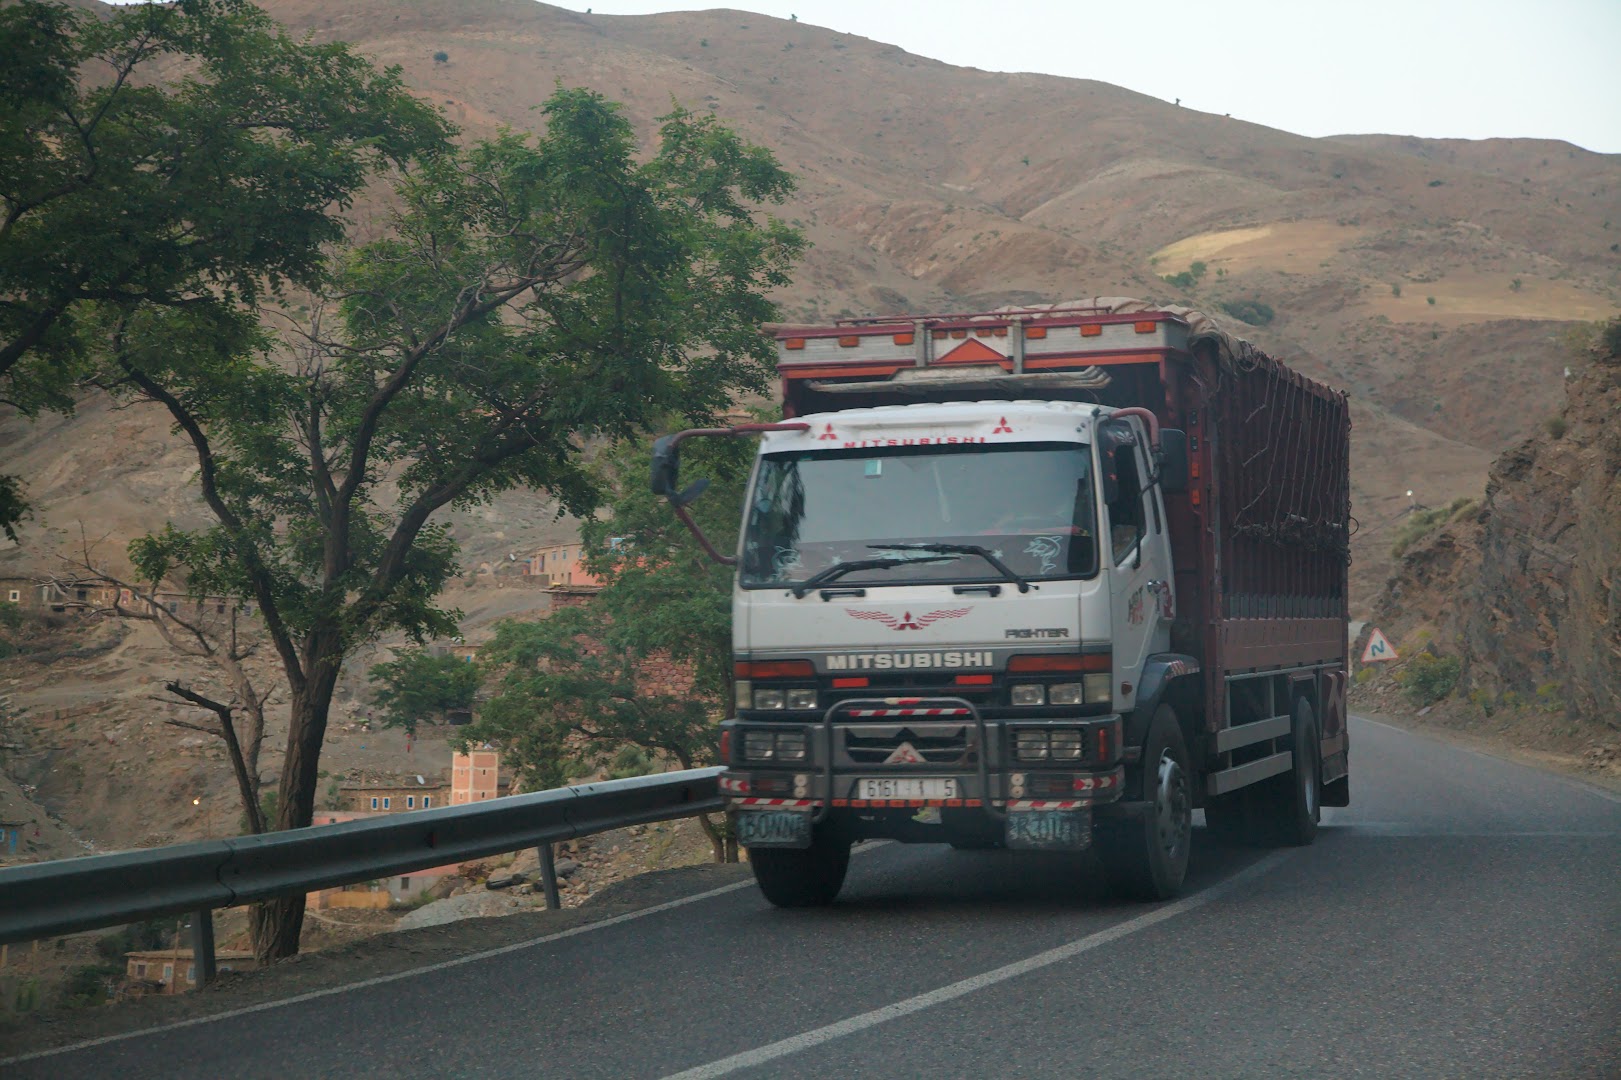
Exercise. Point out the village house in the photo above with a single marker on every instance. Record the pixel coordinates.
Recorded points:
(560, 564)
(173, 971)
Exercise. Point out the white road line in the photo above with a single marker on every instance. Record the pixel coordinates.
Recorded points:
(805, 1040)
(471, 958)
(1591, 789)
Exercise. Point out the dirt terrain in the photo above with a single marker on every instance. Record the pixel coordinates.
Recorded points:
(1435, 280)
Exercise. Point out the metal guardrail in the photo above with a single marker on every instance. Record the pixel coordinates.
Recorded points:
(64, 896)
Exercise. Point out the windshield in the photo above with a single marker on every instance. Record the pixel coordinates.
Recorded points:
(1030, 505)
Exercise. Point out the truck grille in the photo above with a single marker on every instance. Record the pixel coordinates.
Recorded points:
(936, 744)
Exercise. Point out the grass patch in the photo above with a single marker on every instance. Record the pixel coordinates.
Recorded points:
(1424, 522)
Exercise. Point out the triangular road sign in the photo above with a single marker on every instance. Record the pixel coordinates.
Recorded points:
(1378, 648)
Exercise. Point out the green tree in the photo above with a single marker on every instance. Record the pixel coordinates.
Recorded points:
(124, 183)
(414, 687)
(536, 296)
(574, 689)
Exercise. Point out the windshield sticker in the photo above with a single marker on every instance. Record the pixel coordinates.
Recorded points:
(1047, 549)
(874, 467)
(785, 560)
(906, 621)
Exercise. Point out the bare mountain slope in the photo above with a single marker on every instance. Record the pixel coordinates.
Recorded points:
(1431, 278)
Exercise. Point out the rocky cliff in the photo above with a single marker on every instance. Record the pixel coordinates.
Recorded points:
(1526, 590)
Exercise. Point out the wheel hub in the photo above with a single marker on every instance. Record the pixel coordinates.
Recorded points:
(1173, 808)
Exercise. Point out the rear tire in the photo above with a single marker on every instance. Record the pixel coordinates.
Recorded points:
(802, 877)
(1147, 857)
(1291, 805)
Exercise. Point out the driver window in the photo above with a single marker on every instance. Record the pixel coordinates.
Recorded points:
(1126, 523)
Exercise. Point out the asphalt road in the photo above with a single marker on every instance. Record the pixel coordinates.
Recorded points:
(1463, 919)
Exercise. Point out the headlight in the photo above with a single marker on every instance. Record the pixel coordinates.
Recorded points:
(1030, 745)
(1067, 744)
(768, 699)
(791, 745)
(759, 745)
(1029, 694)
(1097, 688)
(802, 699)
(1067, 693)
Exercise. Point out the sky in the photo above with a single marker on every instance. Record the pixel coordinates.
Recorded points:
(1466, 69)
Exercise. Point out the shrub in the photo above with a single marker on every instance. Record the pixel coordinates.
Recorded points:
(1184, 280)
(1395, 290)
(1515, 285)
(1556, 426)
(1429, 677)
(441, 57)
(1253, 312)
(1430, 300)
(1423, 522)
(1610, 338)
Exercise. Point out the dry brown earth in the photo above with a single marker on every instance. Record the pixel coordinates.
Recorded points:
(931, 187)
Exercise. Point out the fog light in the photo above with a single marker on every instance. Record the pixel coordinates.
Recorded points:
(759, 745)
(791, 745)
(1067, 744)
(1029, 694)
(1066, 693)
(1030, 745)
(1097, 688)
(801, 785)
(802, 699)
(768, 699)
(1015, 785)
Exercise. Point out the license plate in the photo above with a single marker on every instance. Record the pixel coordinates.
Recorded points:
(906, 788)
(1060, 829)
(773, 828)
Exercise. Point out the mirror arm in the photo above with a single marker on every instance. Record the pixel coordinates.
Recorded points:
(698, 534)
(678, 500)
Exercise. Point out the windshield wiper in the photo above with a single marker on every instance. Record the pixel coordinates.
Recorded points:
(962, 549)
(841, 569)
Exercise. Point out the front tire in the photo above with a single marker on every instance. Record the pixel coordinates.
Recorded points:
(802, 877)
(1147, 857)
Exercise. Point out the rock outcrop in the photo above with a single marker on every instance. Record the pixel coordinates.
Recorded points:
(1527, 590)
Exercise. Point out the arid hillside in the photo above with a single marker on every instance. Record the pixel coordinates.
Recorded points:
(1431, 278)
(1436, 280)
(1523, 593)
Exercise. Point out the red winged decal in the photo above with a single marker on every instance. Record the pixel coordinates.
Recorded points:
(907, 621)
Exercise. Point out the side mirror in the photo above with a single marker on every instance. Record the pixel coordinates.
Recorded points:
(1173, 460)
(666, 466)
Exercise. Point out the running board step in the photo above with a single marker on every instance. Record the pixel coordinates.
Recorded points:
(1273, 727)
(1243, 775)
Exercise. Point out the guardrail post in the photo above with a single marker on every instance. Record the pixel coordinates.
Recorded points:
(548, 877)
(202, 946)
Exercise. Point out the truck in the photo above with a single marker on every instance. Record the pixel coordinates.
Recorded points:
(1044, 579)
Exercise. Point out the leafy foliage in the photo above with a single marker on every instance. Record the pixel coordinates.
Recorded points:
(573, 692)
(1254, 312)
(122, 185)
(415, 686)
(1428, 678)
(1424, 522)
(535, 297)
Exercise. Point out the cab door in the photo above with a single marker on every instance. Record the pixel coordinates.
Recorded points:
(1137, 555)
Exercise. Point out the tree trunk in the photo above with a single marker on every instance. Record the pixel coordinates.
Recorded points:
(278, 923)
